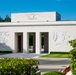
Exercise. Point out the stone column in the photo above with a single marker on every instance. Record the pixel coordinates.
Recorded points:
(50, 42)
(12, 42)
(16, 43)
(38, 43)
(25, 42)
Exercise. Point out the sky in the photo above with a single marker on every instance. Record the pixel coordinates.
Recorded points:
(67, 8)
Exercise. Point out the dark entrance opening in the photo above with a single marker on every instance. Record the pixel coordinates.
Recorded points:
(19, 42)
(44, 42)
(31, 42)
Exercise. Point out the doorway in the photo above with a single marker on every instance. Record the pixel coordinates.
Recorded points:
(31, 42)
(19, 42)
(44, 42)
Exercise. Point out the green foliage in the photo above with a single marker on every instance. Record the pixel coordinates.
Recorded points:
(59, 52)
(57, 55)
(73, 43)
(7, 19)
(30, 39)
(42, 40)
(54, 73)
(73, 54)
(73, 61)
(73, 67)
(18, 66)
(5, 51)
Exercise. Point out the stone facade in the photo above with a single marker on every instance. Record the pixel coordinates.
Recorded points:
(14, 35)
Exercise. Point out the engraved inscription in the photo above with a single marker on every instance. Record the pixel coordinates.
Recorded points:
(32, 16)
(4, 37)
(61, 38)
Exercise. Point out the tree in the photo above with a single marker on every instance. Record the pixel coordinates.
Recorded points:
(73, 56)
(42, 40)
(7, 19)
(30, 39)
(73, 51)
(1, 20)
(73, 43)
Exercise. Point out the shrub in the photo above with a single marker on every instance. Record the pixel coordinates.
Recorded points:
(73, 43)
(73, 67)
(73, 53)
(18, 66)
(54, 73)
(73, 61)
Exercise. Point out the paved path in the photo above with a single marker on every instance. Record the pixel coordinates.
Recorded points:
(21, 55)
(51, 64)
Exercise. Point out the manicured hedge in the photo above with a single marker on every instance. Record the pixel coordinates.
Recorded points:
(18, 66)
(54, 73)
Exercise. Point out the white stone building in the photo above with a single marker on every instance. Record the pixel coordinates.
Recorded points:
(14, 35)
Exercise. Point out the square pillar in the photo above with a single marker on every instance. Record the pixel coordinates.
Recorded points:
(25, 42)
(38, 42)
(16, 43)
(12, 42)
(50, 42)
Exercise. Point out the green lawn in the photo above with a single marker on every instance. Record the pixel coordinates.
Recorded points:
(5, 52)
(57, 55)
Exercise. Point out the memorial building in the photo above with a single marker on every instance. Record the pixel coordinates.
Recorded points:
(14, 35)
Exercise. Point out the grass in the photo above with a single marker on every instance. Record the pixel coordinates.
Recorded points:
(57, 55)
(2, 53)
(5, 52)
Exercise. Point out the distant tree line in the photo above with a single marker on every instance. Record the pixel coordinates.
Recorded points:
(6, 19)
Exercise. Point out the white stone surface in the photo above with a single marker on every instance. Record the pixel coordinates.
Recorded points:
(69, 73)
(35, 16)
(38, 43)
(58, 45)
(59, 33)
(25, 42)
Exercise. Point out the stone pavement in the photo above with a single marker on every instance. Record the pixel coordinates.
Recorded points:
(21, 55)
